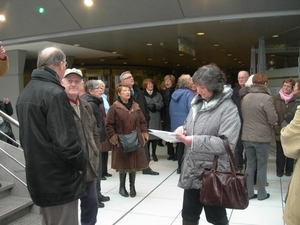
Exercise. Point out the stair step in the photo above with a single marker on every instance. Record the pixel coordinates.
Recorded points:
(31, 218)
(5, 188)
(12, 204)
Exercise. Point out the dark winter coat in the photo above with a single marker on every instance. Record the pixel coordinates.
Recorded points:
(95, 104)
(120, 120)
(281, 109)
(53, 154)
(165, 115)
(155, 104)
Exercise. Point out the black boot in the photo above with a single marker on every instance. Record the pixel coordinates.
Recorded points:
(122, 189)
(132, 184)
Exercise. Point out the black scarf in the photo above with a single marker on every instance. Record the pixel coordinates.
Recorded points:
(128, 105)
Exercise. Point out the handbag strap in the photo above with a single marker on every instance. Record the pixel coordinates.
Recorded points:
(232, 162)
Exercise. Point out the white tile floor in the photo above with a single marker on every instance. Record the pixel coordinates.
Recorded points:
(159, 200)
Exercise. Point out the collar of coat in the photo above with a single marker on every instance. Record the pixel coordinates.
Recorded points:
(135, 106)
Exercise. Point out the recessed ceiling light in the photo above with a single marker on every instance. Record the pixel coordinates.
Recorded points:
(275, 36)
(114, 52)
(194, 59)
(2, 18)
(102, 60)
(178, 64)
(229, 54)
(88, 2)
(200, 33)
(76, 45)
(149, 44)
(149, 59)
(180, 54)
(161, 44)
(235, 59)
(166, 62)
(124, 62)
(82, 64)
(216, 45)
(41, 10)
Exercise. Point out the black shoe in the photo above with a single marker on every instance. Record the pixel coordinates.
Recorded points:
(154, 158)
(279, 174)
(107, 175)
(288, 174)
(178, 170)
(103, 178)
(103, 198)
(254, 196)
(149, 171)
(170, 157)
(268, 196)
(174, 159)
(100, 205)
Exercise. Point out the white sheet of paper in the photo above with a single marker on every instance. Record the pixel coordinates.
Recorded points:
(164, 135)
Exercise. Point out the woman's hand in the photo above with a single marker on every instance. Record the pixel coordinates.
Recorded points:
(187, 140)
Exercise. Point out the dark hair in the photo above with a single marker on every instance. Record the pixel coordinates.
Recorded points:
(118, 88)
(211, 77)
(146, 81)
(259, 78)
(289, 80)
(50, 56)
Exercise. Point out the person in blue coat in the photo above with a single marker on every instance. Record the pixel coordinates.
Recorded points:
(180, 106)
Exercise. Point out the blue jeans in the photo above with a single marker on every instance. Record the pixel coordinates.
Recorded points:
(257, 154)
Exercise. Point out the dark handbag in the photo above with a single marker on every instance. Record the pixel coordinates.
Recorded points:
(129, 142)
(224, 189)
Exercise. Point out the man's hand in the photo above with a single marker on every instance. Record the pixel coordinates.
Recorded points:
(2, 52)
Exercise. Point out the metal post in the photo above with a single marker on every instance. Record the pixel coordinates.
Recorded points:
(261, 67)
(252, 63)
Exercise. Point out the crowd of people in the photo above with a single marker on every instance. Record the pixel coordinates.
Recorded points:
(68, 128)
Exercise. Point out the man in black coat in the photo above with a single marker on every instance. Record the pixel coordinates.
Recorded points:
(138, 96)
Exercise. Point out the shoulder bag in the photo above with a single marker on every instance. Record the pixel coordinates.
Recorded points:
(130, 142)
(224, 189)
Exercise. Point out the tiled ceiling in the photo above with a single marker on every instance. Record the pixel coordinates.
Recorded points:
(126, 26)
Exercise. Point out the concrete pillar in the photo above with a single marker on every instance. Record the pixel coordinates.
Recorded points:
(261, 67)
(252, 63)
(12, 83)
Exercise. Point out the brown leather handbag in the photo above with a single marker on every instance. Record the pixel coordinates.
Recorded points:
(224, 189)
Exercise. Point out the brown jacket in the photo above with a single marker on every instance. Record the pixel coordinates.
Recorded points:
(3, 66)
(120, 120)
(281, 109)
(89, 137)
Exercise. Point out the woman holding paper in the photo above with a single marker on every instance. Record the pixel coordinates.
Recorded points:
(213, 114)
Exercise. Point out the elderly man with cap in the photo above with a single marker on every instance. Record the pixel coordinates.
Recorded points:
(90, 139)
(55, 159)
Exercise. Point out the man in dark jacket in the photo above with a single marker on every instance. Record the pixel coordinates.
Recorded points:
(239, 148)
(55, 160)
(138, 96)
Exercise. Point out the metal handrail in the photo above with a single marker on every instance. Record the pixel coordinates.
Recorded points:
(9, 118)
(12, 121)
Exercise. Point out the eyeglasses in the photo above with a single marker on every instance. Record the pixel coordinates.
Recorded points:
(130, 77)
(66, 64)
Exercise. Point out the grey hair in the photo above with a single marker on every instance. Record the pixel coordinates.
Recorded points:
(211, 77)
(50, 56)
(123, 74)
(91, 84)
(183, 81)
(102, 83)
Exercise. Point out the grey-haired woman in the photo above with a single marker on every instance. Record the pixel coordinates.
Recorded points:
(212, 115)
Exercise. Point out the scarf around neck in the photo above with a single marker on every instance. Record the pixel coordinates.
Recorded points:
(285, 97)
